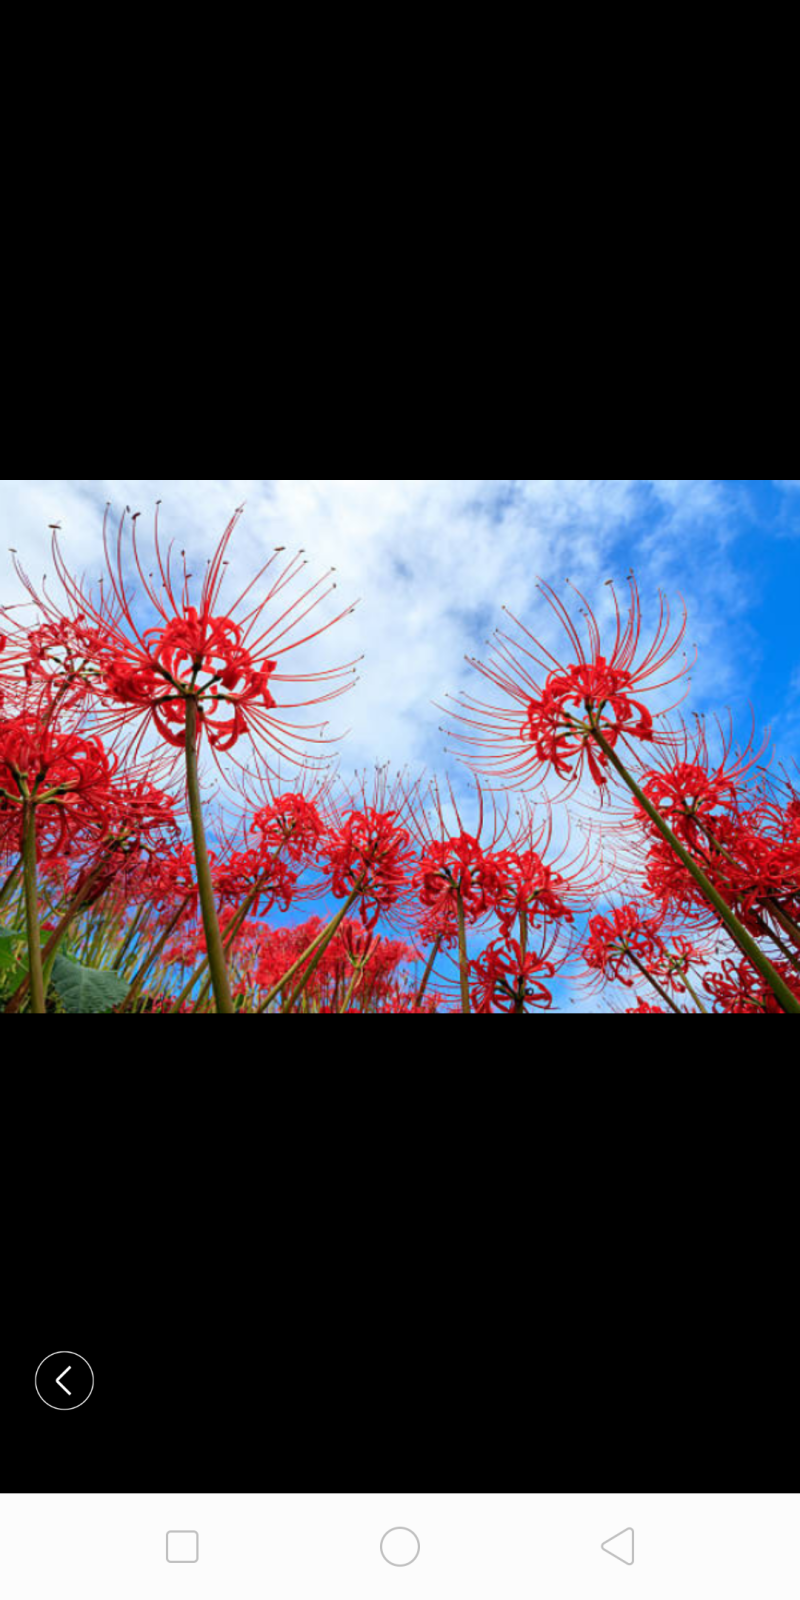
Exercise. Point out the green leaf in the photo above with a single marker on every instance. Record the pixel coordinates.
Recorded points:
(8, 938)
(85, 989)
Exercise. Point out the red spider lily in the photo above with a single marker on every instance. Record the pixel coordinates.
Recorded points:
(398, 1004)
(529, 888)
(138, 822)
(460, 870)
(436, 818)
(363, 967)
(628, 934)
(734, 830)
(686, 796)
(291, 823)
(66, 778)
(457, 861)
(690, 787)
(679, 960)
(357, 942)
(225, 660)
(199, 669)
(280, 947)
(505, 979)
(246, 871)
(375, 794)
(756, 874)
(437, 926)
(537, 888)
(550, 723)
(456, 868)
(369, 853)
(358, 970)
(172, 879)
(644, 1009)
(738, 990)
(671, 888)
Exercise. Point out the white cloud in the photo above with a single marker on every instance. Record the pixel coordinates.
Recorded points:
(433, 561)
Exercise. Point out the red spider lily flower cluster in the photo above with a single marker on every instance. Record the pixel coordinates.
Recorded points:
(530, 887)
(614, 941)
(199, 655)
(741, 831)
(369, 855)
(457, 868)
(737, 991)
(507, 979)
(550, 723)
(457, 864)
(68, 778)
(228, 662)
(244, 874)
(290, 823)
(678, 891)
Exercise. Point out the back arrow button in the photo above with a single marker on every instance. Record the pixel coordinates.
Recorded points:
(53, 1391)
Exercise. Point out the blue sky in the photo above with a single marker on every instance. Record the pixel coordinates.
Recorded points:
(433, 561)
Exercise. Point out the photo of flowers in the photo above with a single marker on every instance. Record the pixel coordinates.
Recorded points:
(424, 746)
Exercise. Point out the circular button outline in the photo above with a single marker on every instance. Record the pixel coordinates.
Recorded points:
(400, 1563)
(49, 1403)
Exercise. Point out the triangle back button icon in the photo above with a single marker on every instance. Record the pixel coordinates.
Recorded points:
(621, 1546)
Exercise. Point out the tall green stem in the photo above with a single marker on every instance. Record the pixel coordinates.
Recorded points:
(154, 954)
(32, 908)
(654, 983)
(783, 993)
(322, 939)
(462, 954)
(11, 882)
(428, 970)
(216, 954)
(55, 938)
(696, 998)
(354, 984)
(143, 911)
(322, 945)
(784, 922)
(230, 934)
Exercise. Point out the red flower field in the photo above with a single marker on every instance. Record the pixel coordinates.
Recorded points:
(155, 857)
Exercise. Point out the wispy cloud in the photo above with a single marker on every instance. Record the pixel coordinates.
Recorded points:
(433, 561)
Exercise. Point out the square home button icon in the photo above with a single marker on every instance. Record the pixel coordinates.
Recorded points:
(182, 1546)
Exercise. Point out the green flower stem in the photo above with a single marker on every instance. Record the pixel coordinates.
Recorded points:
(357, 977)
(322, 945)
(767, 902)
(654, 983)
(326, 935)
(462, 954)
(696, 998)
(783, 993)
(769, 933)
(428, 970)
(230, 934)
(50, 949)
(11, 882)
(154, 954)
(216, 954)
(32, 908)
(783, 920)
(130, 936)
